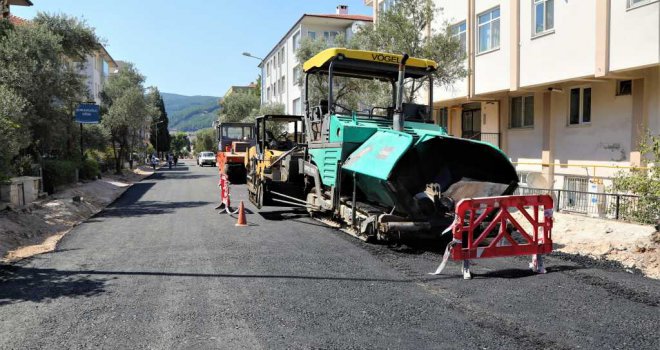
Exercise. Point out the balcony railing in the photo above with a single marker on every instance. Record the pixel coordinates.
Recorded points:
(491, 137)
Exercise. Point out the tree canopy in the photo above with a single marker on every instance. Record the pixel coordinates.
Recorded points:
(239, 105)
(35, 66)
(400, 29)
(128, 111)
(159, 135)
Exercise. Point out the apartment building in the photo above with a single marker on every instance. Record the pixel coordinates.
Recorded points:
(252, 87)
(281, 71)
(565, 88)
(95, 68)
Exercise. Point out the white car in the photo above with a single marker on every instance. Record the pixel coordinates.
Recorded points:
(206, 158)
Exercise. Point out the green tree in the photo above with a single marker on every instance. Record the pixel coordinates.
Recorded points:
(402, 28)
(160, 122)
(180, 143)
(239, 106)
(128, 111)
(643, 183)
(15, 135)
(33, 65)
(77, 38)
(271, 108)
(205, 140)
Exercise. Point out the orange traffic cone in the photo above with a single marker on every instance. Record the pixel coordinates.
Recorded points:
(241, 216)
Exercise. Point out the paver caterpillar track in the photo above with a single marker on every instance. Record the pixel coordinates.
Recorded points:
(381, 173)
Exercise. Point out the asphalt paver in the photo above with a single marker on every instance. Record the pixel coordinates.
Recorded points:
(162, 269)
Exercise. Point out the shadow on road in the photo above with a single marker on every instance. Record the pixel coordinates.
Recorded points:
(18, 284)
(136, 209)
(279, 215)
(189, 177)
(522, 273)
(228, 275)
(179, 168)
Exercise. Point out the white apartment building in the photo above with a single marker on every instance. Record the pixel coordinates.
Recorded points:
(280, 70)
(95, 69)
(565, 88)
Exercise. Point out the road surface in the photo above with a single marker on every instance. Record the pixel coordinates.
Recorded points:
(161, 269)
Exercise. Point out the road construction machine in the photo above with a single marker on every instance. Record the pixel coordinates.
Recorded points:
(234, 140)
(379, 172)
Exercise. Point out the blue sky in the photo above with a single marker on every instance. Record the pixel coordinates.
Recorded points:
(191, 47)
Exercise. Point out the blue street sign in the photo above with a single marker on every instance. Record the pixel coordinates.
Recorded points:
(88, 113)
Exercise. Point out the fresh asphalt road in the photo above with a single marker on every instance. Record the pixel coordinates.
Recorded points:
(160, 269)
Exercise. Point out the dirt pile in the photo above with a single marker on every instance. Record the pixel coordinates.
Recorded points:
(633, 245)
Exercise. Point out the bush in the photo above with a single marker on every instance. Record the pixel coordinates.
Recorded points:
(58, 173)
(89, 169)
(644, 183)
(23, 166)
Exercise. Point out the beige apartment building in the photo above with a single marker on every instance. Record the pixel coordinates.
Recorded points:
(565, 88)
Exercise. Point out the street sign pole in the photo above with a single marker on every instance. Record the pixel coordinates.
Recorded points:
(82, 152)
(86, 113)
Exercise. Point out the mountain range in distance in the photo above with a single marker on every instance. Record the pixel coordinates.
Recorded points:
(190, 113)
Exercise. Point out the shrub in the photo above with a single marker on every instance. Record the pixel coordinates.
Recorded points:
(58, 173)
(89, 169)
(23, 166)
(644, 183)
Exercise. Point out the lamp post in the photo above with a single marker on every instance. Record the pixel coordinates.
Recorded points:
(247, 54)
(261, 61)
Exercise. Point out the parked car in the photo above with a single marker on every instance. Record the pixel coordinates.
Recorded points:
(206, 158)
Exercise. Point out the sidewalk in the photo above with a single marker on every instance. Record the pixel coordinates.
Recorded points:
(36, 228)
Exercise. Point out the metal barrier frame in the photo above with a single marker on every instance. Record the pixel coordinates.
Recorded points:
(471, 213)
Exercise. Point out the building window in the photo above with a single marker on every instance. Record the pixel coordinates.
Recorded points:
(442, 116)
(458, 31)
(637, 3)
(268, 93)
(489, 30)
(296, 75)
(624, 87)
(282, 86)
(580, 106)
(296, 41)
(330, 36)
(544, 15)
(522, 179)
(281, 56)
(386, 5)
(296, 107)
(311, 35)
(522, 112)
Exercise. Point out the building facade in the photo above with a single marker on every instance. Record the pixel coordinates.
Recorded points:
(281, 71)
(566, 88)
(96, 68)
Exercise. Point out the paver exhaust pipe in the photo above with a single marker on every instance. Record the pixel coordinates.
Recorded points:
(398, 114)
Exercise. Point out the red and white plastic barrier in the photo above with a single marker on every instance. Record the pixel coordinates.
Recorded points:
(224, 194)
(471, 240)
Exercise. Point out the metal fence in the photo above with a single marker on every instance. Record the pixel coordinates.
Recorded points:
(604, 205)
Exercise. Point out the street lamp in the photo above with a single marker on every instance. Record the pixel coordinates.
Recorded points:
(247, 54)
